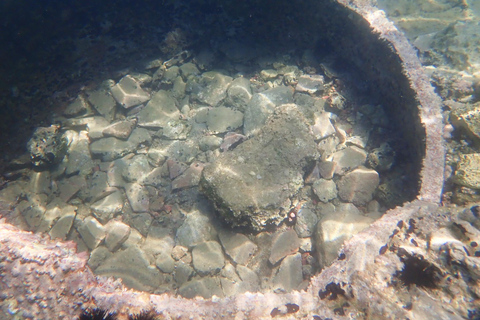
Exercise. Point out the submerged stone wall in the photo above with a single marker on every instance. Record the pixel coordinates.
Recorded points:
(375, 275)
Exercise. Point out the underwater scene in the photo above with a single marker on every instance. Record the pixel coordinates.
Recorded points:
(310, 159)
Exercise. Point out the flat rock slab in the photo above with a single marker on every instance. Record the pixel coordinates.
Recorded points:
(208, 258)
(92, 232)
(289, 276)
(283, 244)
(112, 148)
(128, 92)
(120, 129)
(133, 267)
(253, 183)
(159, 111)
(238, 247)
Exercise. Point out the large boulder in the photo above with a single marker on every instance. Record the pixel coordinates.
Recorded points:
(253, 185)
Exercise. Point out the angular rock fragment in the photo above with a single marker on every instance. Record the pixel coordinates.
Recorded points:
(133, 267)
(262, 105)
(116, 234)
(250, 185)
(189, 178)
(159, 111)
(283, 244)
(112, 148)
(106, 207)
(358, 186)
(138, 197)
(103, 102)
(92, 232)
(223, 119)
(237, 246)
(289, 276)
(120, 129)
(208, 258)
(128, 92)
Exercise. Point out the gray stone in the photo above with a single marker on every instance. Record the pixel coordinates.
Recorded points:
(180, 150)
(208, 258)
(196, 229)
(189, 69)
(92, 232)
(179, 88)
(325, 190)
(98, 256)
(165, 262)
(176, 130)
(159, 111)
(326, 169)
(62, 226)
(70, 186)
(335, 228)
(250, 281)
(183, 272)
(154, 178)
(237, 246)
(289, 275)
(223, 119)
(189, 178)
(103, 102)
(97, 188)
(268, 74)
(108, 206)
(310, 83)
(79, 158)
(358, 186)
(203, 287)
(33, 209)
(348, 159)
(128, 92)
(306, 222)
(209, 143)
(212, 88)
(120, 129)
(239, 93)
(141, 221)
(78, 107)
(138, 197)
(116, 234)
(251, 184)
(133, 267)
(262, 105)
(95, 126)
(158, 241)
(283, 244)
(180, 253)
(136, 168)
(322, 127)
(41, 182)
(112, 148)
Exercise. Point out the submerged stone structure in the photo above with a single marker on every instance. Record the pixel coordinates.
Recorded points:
(405, 265)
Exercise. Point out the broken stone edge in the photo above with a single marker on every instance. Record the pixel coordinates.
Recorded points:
(30, 261)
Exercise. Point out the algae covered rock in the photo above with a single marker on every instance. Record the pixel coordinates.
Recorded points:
(47, 146)
(253, 184)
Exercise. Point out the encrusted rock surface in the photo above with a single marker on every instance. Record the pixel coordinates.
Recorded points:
(265, 170)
